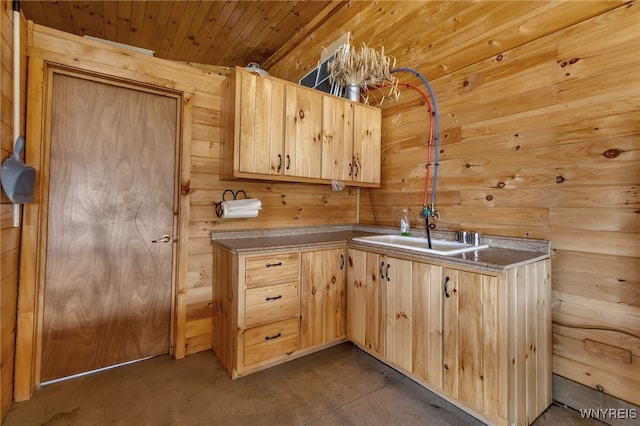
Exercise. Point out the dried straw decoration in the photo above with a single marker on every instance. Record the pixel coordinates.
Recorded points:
(366, 68)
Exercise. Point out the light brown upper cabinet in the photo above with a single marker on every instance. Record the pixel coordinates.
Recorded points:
(303, 132)
(367, 126)
(277, 130)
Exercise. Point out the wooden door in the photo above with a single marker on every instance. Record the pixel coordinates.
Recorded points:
(334, 307)
(322, 297)
(463, 352)
(311, 298)
(337, 138)
(303, 132)
(246, 115)
(108, 287)
(356, 300)
(261, 118)
(398, 312)
(367, 124)
(426, 323)
(375, 302)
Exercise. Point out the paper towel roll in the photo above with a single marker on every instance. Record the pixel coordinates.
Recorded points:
(238, 209)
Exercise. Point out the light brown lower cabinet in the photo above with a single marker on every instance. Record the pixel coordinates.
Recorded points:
(497, 341)
(470, 339)
(366, 300)
(256, 309)
(426, 324)
(323, 297)
(269, 308)
(398, 309)
(482, 340)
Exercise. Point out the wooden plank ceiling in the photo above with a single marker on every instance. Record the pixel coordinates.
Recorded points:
(224, 33)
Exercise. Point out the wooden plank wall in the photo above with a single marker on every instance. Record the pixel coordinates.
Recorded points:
(539, 126)
(284, 205)
(539, 114)
(9, 236)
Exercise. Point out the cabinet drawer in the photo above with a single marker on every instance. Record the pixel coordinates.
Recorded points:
(271, 340)
(272, 269)
(271, 303)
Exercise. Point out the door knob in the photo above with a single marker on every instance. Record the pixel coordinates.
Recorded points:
(164, 239)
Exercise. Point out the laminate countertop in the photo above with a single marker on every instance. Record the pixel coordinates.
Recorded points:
(503, 252)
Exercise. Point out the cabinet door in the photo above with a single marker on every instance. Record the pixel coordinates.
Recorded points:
(398, 336)
(375, 302)
(261, 131)
(303, 132)
(337, 138)
(356, 300)
(426, 323)
(366, 144)
(469, 313)
(334, 306)
(323, 297)
(366, 300)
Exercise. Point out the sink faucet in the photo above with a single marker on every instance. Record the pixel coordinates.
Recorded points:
(430, 211)
(426, 212)
(435, 213)
(468, 237)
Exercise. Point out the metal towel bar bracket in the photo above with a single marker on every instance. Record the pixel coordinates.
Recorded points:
(218, 206)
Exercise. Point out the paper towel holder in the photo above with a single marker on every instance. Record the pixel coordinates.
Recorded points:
(218, 206)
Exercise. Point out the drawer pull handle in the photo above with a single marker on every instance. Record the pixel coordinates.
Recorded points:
(341, 261)
(269, 265)
(273, 337)
(446, 287)
(388, 279)
(279, 162)
(381, 273)
(273, 298)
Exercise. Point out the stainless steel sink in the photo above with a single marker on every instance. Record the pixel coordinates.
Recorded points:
(420, 244)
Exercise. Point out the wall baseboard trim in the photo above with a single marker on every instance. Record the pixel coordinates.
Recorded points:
(593, 404)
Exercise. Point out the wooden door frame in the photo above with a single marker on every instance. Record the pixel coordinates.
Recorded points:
(34, 228)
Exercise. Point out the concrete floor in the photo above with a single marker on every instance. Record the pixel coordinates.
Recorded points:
(338, 386)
